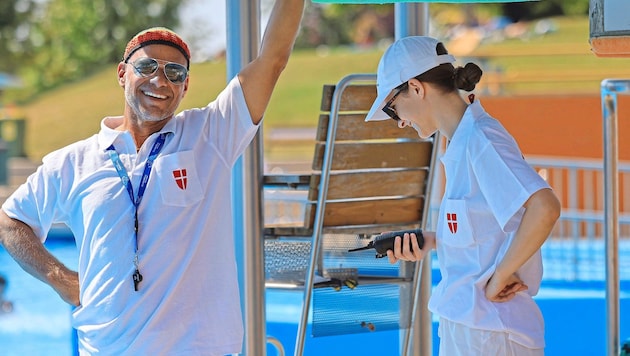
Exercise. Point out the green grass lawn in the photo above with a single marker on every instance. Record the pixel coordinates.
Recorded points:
(559, 62)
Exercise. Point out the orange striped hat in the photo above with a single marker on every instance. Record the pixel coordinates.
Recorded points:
(156, 35)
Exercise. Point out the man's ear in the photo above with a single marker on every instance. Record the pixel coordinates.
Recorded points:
(122, 70)
(185, 87)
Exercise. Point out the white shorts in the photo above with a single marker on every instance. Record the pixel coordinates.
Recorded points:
(459, 340)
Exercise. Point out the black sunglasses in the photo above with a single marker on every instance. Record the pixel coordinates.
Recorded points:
(391, 112)
(174, 72)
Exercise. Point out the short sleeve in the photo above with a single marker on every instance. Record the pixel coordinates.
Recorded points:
(505, 179)
(230, 127)
(33, 203)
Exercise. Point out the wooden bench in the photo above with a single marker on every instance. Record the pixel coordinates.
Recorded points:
(366, 178)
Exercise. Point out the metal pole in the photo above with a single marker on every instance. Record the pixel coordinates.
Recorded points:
(422, 323)
(609, 90)
(412, 19)
(243, 41)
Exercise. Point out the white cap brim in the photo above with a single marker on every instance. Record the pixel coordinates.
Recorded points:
(376, 112)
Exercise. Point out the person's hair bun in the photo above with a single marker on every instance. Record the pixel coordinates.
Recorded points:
(467, 77)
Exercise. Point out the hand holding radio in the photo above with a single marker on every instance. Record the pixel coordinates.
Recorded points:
(385, 241)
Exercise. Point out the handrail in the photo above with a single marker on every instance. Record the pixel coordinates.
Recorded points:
(567, 162)
(323, 192)
(277, 344)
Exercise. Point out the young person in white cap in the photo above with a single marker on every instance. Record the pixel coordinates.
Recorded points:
(495, 214)
(148, 201)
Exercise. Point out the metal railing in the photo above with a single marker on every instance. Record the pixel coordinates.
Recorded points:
(579, 184)
(576, 249)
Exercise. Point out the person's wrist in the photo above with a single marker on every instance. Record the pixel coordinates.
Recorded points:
(500, 273)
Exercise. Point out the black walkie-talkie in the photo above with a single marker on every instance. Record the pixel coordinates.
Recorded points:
(385, 241)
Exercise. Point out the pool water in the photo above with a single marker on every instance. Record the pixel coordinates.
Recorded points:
(40, 321)
(575, 317)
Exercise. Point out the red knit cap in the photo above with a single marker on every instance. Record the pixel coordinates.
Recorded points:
(156, 35)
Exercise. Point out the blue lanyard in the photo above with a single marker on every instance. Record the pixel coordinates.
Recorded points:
(126, 182)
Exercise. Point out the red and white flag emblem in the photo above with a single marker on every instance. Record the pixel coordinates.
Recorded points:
(451, 218)
(181, 178)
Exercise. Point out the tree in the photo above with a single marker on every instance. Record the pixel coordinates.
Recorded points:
(13, 24)
(68, 39)
(335, 24)
(540, 9)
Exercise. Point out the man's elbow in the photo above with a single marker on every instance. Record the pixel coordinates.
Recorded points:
(278, 63)
(11, 228)
(4, 221)
(270, 66)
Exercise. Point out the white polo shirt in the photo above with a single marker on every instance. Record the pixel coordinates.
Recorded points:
(487, 183)
(188, 301)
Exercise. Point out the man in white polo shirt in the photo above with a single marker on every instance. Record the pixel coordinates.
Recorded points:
(148, 201)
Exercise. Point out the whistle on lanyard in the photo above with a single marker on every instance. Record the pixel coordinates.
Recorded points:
(385, 241)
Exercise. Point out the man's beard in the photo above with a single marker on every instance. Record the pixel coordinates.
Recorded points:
(134, 103)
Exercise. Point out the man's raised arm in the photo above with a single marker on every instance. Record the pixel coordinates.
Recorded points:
(259, 77)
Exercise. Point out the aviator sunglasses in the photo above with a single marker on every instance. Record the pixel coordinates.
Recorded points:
(391, 112)
(174, 72)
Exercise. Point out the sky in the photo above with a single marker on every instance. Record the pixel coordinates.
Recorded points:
(202, 25)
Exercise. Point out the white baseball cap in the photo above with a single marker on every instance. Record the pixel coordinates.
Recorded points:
(406, 58)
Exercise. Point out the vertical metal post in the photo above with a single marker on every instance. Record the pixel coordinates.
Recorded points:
(412, 19)
(422, 327)
(243, 41)
(609, 90)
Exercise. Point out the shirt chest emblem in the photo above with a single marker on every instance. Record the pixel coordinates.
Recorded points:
(451, 219)
(181, 178)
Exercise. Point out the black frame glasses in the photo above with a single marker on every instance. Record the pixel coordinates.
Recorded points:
(387, 108)
(147, 66)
